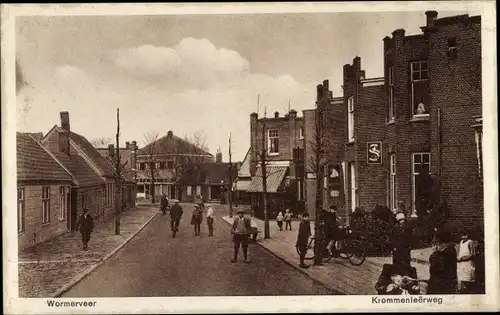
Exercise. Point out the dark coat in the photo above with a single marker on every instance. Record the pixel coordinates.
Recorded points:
(164, 202)
(385, 278)
(176, 211)
(402, 237)
(85, 223)
(304, 233)
(197, 217)
(443, 271)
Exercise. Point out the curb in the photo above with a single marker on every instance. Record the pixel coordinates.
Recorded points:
(83, 274)
(285, 260)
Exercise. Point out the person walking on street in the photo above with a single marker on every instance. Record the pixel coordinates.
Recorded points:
(175, 217)
(279, 220)
(196, 219)
(164, 204)
(402, 239)
(288, 219)
(333, 230)
(86, 226)
(303, 238)
(240, 231)
(210, 220)
(466, 269)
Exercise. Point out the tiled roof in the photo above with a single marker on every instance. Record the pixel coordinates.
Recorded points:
(244, 170)
(100, 161)
(275, 176)
(80, 169)
(171, 144)
(34, 163)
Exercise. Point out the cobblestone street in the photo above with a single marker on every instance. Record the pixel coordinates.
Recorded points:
(45, 269)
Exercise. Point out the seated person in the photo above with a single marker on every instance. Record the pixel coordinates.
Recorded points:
(398, 279)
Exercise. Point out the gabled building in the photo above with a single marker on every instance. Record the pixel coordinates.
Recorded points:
(43, 193)
(169, 160)
(94, 188)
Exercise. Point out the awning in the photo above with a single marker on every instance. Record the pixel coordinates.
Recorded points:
(275, 176)
(243, 184)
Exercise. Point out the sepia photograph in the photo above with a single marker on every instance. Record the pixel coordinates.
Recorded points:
(246, 153)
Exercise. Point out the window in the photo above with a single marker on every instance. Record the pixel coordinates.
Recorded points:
(391, 112)
(161, 165)
(273, 141)
(421, 165)
(170, 165)
(85, 201)
(354, 188)
(198, 190)
(392, 182)
(109, 194)
(350, 118)
(301, 133)
(189, 192)
(420, 88)
(142, 166)
(45, 205)
(20, 210)
(63, 202)
(152, 165)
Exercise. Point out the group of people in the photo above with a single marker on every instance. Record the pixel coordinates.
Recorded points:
(450, 271)
(287, 218)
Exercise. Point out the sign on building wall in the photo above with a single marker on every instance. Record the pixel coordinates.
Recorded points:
(374, 152)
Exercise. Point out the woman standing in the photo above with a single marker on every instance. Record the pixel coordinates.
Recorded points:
(196, 219)
(443, 265)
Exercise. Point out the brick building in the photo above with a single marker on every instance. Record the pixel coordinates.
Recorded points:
(281, 139)
(330, 112)
(43, 193)
(93, 173)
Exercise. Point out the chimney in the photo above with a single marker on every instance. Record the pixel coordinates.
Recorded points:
(170, 134)
(276, 114)
(292, 114)
(127, 145)
(111, 151)
(218, 157)
(319, 92)
(65, 121)
(399, 33)
(326, 86)
(356, 62)
(431, 16)
(133, 148)
(64, 135)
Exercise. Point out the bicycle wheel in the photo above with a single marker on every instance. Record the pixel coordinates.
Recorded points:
(356, 252)
(309, 250)
(343, 250)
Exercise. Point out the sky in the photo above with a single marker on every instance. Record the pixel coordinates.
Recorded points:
(190, 73)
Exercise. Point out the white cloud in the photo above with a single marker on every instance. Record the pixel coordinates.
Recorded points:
(192, 86)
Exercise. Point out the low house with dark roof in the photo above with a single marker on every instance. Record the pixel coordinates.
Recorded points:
(43, 193)
(162, 164)
(94, 174)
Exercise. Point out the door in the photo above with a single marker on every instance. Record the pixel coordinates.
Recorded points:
(68, 207)
(354, 195)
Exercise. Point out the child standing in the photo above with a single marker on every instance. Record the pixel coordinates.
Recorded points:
(303, 238)
(466, 268)
(279, 220)
(288, 219)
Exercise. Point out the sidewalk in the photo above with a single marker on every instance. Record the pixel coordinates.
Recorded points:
(48, 268)
(338, 274)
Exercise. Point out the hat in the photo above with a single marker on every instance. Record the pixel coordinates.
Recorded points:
(400, 216)
(240, 211)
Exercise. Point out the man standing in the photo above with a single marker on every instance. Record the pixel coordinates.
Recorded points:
(86, 226)
(240, 231)
(175, 217)
(303, 238)
(164, 204)
(210, 220)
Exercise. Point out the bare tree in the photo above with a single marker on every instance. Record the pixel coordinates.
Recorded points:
(101, 142)
(151, 148)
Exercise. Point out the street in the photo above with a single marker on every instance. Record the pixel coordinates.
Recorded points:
(155, 264)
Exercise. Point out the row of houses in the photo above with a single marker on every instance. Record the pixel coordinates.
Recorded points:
(58, 175)
(422, 117)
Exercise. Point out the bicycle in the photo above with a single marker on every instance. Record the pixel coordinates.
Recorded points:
(346, 248)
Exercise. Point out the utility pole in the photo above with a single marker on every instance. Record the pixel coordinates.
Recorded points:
(230, 180)
(263, 160)
(319, 187)
(118, 194)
